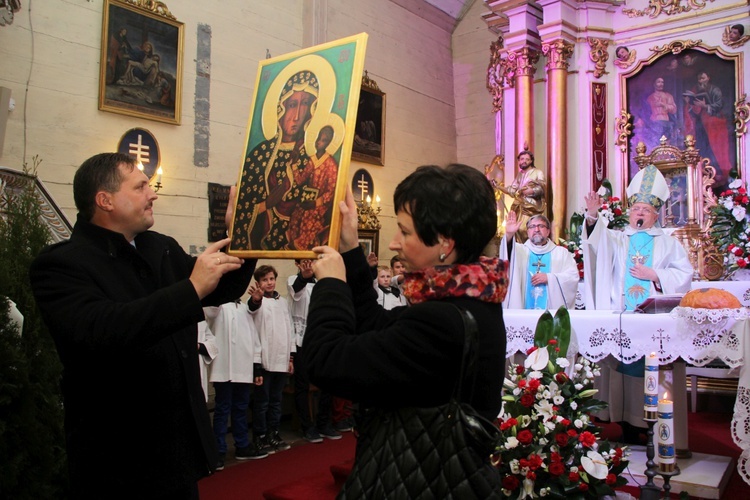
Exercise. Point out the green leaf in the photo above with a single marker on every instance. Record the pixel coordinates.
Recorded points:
(544, 329)
(561, 330)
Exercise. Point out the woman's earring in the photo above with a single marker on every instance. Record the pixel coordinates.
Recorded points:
(442, 257)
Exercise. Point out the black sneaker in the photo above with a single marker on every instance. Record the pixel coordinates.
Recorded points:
(312, 436)
(263, 443)
(342, 426)
(250, 452)
(220, 463)
(329, 432)
(278, 443)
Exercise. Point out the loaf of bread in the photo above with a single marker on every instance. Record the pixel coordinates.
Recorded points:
(710, 298)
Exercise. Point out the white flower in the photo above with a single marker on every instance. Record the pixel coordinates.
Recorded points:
(728, 203)
(537, 360)
(545, 409)
(511, 443)
(735, 184)
(562, 362)
(574, 468)
(544, 491)
(578, 367)
(528, 489)
(739, 213)
(573, 405)
(595, 465)
(536, 375)
(516, 391)
(578, 387)
(578, 423)
(514, 466)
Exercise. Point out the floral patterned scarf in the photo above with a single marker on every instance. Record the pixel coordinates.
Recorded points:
(486, 280)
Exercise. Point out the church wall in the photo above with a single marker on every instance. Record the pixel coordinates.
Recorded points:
(408, 57)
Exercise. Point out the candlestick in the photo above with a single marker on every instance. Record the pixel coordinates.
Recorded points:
(369, 200)
(665, 435)
(651, 386)
(159, 173)
(377, 200)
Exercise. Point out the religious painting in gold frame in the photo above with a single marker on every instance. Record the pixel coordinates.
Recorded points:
(141, 60)
(684, 89)
(369, 240)
(298, 148)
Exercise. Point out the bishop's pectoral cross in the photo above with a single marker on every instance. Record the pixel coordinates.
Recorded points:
(637, 258)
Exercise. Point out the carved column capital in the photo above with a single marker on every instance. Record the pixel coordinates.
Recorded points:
(522, 62)
(558, 52)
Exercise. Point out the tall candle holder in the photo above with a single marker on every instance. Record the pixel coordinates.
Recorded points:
(367, 216)
(650, 491)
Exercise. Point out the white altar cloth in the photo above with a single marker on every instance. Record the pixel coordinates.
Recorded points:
(629, 336)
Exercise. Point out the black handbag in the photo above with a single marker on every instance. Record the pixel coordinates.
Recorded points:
(428, 453)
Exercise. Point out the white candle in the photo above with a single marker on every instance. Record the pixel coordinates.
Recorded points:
(159, 172)
(377, 200)
(369, 200)
(665, 434)
(651, 386)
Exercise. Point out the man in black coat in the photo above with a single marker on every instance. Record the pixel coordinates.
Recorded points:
(122, 304)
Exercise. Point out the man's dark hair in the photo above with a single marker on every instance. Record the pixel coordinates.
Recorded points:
(263, 270)
(98, 173)
(526, 152)
(456, 202)
(395, 259)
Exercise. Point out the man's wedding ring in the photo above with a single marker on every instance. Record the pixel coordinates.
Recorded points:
(320, 256)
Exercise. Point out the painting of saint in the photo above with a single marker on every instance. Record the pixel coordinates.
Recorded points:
(690, 93)
(298, 149)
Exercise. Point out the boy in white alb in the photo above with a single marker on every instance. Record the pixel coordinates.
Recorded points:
(275, 361)
(388, 296)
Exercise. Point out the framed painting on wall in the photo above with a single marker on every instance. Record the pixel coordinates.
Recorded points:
(369, 137)
(368, 240)
(681, 91)
(141, 61)
(298, 147)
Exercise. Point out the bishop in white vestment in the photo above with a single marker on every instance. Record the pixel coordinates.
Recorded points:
(541, 275)
(624, 268)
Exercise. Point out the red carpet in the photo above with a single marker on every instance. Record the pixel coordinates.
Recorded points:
(248, 480)
(305, 471)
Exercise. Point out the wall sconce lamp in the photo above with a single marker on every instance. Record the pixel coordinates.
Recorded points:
(159, 172)
(367, 215)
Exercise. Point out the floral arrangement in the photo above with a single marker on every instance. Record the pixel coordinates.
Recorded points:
(730, 227)
(550, 446)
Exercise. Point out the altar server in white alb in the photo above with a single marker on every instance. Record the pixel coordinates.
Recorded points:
(638, 262)
(542, 275)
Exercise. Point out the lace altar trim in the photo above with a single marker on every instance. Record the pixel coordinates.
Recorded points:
(715, 316)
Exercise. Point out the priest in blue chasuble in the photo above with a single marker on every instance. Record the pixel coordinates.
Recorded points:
(541, 275)
(624, 268)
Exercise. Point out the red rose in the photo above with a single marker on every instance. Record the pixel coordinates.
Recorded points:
(523, 463)
(535, 461)
(555, 457)
(527, 400)
(737, 251)
(574, 477)
(618, 212)
(561, 377)
(565, 422)
(534, 384)
(742, 191)
(583, 487)
(519, 370)
(616, 460)
(741, 262)
(611, 479)
(561, 439)
(522, 383)
(531, 349)
(572, 433)
(618, 452)
(556, 468)
(552, 342)
(587, 439)
(531, 475)
(508, 424)
(525, 436)
(510, 482)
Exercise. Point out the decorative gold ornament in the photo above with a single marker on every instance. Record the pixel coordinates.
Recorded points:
(369, 82)
(158, 8)
(741, 116)
(367, 215)
(498, 166)
(627, 62)
(599, 55)
(623, 129)
(558, 52)
(731, 40)
(667, 7)
(676, 47)
(496, 74)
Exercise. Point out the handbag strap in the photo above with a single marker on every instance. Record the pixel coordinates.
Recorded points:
(469, 356)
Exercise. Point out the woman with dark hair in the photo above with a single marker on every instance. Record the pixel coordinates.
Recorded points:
(412, 356)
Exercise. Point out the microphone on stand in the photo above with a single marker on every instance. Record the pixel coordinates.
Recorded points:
(639, 223)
